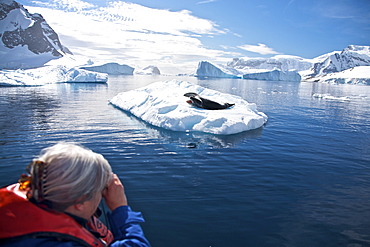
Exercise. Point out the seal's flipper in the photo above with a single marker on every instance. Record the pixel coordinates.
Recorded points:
(228, 105)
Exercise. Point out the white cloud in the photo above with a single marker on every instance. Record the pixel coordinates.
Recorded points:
(70, 5)
(260, 48)
(206, 1)
(133, 34)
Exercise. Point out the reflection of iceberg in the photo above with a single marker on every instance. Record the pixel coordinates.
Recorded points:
(162, 104)
(193, 140)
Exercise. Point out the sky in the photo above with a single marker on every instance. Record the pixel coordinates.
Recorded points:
(176, 35)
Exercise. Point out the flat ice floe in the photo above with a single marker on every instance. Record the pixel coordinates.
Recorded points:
(162, 104)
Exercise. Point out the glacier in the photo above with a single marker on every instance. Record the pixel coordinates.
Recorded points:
(163, 105)
(48, 75)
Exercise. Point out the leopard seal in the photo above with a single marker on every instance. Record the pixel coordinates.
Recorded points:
(200, 102)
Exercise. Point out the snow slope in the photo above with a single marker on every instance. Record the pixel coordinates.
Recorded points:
(47, 75)
(162, 104)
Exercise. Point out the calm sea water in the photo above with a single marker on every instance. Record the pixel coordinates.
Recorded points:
(302, 180)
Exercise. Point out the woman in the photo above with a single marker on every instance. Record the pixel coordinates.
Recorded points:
(54, 205)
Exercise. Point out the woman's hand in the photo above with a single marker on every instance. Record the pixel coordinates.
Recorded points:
(115, 195)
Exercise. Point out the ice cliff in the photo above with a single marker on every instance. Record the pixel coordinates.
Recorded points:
(26, 39)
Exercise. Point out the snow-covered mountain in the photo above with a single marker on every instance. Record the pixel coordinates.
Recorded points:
(334, 67)
(26, 40)
(350, 57)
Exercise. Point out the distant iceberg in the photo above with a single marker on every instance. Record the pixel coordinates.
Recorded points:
(275, 75)
(207, 69)
(48, 75)
(111, 69)
(149, 70)
(162, 104)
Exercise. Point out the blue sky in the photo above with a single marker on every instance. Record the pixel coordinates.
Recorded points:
(181, 33)
(306, 28)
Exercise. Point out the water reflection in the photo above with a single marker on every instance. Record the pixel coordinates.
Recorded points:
(192, 139)
(27, 109)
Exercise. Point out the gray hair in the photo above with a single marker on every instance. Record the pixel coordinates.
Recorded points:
(73, 174)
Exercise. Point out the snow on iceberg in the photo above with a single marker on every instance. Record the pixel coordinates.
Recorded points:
(47, 75)
(162, 104)
(275, 75)
(111, 69)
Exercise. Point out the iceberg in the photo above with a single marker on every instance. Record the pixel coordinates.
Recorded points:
(279, 62)
(162, 104)
(111, 69)
(275, 75)
(207, 69)
(149, 70)
(48, 75)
